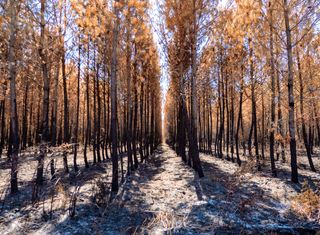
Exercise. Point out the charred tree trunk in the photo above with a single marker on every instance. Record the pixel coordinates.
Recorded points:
(129, 106)
(88, 128)
(135, 117)
(239, 119)
(273, 96)
(254, 109)
(46, 83)
(12, 71)
(76, 131)
(141, 123)
(65, 99)
(55, 107)
(25, 118)
(3, 126)
(307, 143)
(292, 130)
(114, 137)
(98, 121)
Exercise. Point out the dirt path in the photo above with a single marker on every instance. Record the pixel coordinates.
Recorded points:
(165, 196)
(156, 199)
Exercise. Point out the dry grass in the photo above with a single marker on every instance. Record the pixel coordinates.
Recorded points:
(250, 166)
(101, 193)
(101, 196)
(307, 203)
(168, 221)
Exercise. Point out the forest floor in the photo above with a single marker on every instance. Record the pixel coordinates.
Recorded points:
(162, 196)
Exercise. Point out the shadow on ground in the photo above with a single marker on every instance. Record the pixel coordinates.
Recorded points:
(127, 214)
(235, 207)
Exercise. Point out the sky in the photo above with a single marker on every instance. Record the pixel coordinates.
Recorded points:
(156, 18)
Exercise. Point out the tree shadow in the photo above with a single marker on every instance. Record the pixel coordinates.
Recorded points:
(125, 215)
(23, 200)
(238, 207)
(283, 170)
(128, 212)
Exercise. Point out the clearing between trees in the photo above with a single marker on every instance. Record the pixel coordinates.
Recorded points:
(162, 196)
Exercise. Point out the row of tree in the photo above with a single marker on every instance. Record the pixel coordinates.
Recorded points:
(82, 73)
(248, 53)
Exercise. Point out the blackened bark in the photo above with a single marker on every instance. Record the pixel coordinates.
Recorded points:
(114, 137)
(141, 139)
(254, 109)
(129, 105)
(25, 118)
(135, 118)
(306, 141)
(239, 119)
(55, 107)
(98, 121)
(14, 130)
(76, 131)
(292, 130)
(65, 100)
(46, 91)
(273, 96)
(88, 128)
(3, 126)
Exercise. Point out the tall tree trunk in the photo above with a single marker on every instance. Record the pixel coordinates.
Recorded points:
(14, 129)
(129, 105)
(38, 126)
(263, 126)
(217, 127)
(254, 109)
(135, 117)
(194, 151)
(221, 106)
(105, 135)
(55, 106)
(141, 139)
(152, 121)
(210, 126)
(232, 120)
(316, 120)
(94, 135)
(98, 121)
(273, 95)
(147, 120)
(307, 143)
(279, 114)
(30, 130)
(25, 118)
(65, 99)
(76, 131)
(3, 126)
(109, 116)
(114, 137)
(46, 83)
(88, 128)
(292, 130)
(239, 118)
(228, 115)
(181, 128)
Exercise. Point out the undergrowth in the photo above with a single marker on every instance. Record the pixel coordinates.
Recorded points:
(307, 203)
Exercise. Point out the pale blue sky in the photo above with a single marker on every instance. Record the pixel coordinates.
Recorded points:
(156, 18)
